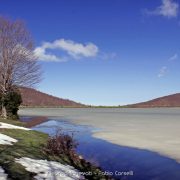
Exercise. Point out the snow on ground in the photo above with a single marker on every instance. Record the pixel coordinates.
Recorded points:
(49, 170)
(6, 139)
(10, 126)
(3, 176)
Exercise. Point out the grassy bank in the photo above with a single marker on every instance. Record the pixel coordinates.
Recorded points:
(31, 144)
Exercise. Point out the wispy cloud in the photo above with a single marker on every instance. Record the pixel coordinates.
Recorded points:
(108, 56)
(163, 71)
(168, 8)
(72, 49)
(174, 57)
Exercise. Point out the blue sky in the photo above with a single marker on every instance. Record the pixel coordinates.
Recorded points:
(105, 52)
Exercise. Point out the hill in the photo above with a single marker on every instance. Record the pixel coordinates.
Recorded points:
(165, 101)
(32, 97)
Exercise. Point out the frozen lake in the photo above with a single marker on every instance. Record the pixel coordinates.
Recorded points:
(148, 139)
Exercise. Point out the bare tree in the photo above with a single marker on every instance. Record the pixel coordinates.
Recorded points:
(18, 64)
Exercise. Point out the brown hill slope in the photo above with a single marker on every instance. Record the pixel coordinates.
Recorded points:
(32, 97)
(166, 101)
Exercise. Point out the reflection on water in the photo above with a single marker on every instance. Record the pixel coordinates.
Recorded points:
(145, 165)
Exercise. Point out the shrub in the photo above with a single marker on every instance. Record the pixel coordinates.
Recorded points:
(11, 101)
(62, 144)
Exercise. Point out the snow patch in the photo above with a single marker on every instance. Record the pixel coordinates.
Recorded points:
(6, 139)
(3, 176)
(10, 126)
(49, 170)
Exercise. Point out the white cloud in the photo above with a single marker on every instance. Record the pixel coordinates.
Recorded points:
(168, 9)
(71, 48)
(162, 72)
(40, 52)
(174, 57)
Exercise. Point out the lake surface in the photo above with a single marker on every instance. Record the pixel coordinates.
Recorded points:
(129, 129)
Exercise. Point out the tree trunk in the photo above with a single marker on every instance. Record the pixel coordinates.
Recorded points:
(4, 112)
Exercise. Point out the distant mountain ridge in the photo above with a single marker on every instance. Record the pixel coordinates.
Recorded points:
(32, 97)
(35, 98)
(165, 101)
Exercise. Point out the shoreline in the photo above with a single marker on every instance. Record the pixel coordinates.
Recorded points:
(33, 121)
(30, 146)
